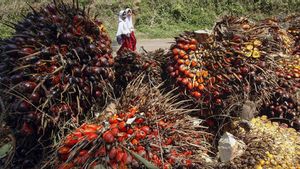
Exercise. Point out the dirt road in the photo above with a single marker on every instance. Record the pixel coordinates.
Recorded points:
(149, 44)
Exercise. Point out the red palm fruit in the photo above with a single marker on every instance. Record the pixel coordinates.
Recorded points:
(66, 166)
(218, 101)
(35, 97)
(181, 68)
(180, 45)
(187, 62)
(140, 135)
(28, 86)
(112, 153)
(173, 74)
(196, 94)
(71, 141)
(101, 152)
(193, 63)
(63, 150)
(26, 129)
(196, 84)
(180, 61)
(141, 153)
(119, 155)
(88, 131)
(146, 129)
(184, 81)
(92, 136)
(193, 41)
(169, 141)
(170, 69)
(185, 57)
(108, 137)
(93, 127)
(175, 51)
(115, 131)
(139, 120)
(122, 126)
(182, 53)
(128, 159)
(190, 85)
(134, 141)
(130, 131)
(83, 152)
(191, 75)
(192, 47)
(176, 57)
(201, 87)
(186, 47)
(114, 119)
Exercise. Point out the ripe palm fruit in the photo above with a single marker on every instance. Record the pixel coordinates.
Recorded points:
(145, 122)
(269, 145)
(57, 65)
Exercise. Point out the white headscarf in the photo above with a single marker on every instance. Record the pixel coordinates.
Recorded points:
(129, 20)
(122, 27)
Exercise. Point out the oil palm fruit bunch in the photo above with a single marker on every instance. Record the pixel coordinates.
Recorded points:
(129, 65)
(56, 66)
(148, 129)
(253, 39)
(269, 145)
(293, 28)
(213, 71)
(283, 105)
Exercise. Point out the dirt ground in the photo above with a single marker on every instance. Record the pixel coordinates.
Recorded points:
(148, 44)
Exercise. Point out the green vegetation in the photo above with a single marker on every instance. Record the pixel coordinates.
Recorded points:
(162, 18)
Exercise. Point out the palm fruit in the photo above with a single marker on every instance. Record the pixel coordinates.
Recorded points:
(145, 122)
(283, 105)
(129, 65)
(57, 65)
(269, 145)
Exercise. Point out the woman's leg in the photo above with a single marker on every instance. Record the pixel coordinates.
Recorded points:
(125, 45)
(133, 41)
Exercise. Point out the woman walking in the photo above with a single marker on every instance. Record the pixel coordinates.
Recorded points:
(123, 33)
(131, 28)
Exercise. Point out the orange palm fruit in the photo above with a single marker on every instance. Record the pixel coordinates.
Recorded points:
(187, 62)
(186, 47)
(180, 61)
(193, 47)
(182, 53)
(194, 63)
(185, 57)
(190, 86)
(201, 87)
(175, 51)
(193, 41)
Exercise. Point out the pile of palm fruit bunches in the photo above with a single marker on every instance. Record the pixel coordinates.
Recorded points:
(66, 102)
(146, 123)
(241, 60)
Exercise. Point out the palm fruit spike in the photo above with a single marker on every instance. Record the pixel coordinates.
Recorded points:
(269, 145)
(146, 122)
(58, 63)
(129, 65)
